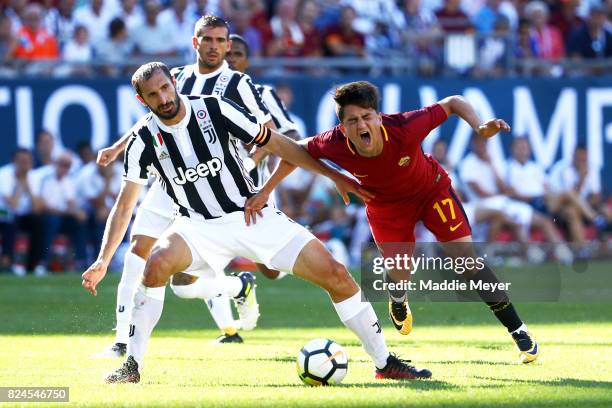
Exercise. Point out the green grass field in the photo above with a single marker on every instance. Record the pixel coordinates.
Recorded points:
(50, 327)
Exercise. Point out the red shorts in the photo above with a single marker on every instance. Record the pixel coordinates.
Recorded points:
(441, 212)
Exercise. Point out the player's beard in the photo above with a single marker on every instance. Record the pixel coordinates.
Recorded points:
(172, 113)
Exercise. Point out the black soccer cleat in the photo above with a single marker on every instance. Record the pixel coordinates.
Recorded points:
(398, 369)
(528, 347)
(224, 338)
(127, 373)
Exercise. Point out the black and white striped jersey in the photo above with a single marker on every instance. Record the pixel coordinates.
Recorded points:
(277, 108)
(226, 82)
(197, 160)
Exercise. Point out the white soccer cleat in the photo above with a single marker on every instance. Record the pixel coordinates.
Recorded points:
(114, 351)
(246, 302)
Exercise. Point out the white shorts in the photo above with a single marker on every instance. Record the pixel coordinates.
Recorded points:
(155, 214)
(275, 240)
(156, 200)
(519, 212)
(150, 223)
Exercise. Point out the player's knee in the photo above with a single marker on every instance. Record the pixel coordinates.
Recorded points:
(158, 269)
(338, 277)
(141, 247)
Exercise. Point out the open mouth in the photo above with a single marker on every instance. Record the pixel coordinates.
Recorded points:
(365, 138)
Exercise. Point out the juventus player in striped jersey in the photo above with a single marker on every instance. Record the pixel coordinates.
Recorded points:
(210, 74)
(190, 142)
(186, 285)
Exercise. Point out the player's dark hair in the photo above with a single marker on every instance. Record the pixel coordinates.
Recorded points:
(581, 146)
(360, 93)
(146, 71)
(210, 21)
(240, 39)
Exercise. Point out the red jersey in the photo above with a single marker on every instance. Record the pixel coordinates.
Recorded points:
(402, 172)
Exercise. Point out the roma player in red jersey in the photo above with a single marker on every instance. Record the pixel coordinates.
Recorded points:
(384, 153)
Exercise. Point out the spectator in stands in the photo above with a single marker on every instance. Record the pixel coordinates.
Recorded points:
(529, 184)
(60, 21)
(330, 14)
(421, 36)
(525, 47)
(548, 40)
(260, 20)
(116, 49)
(153, 39)
(17, 192)
(566, 19)
(486, 222)
(583, 181)
(45, 145)
(131, 14)
(8, 42)
(85, 152)
(452, 19)
(34, 42)
(287, 37)
(485, 187)
(95, 17)
(181, 20)
(494, 50)
(285, 94)
(487, 16)
(373, 13)
(341, 40)
(592, 40)
(60, 212)
(308, 12)
(97, 189)
(79, 52)
(15, 11)
(241, 25)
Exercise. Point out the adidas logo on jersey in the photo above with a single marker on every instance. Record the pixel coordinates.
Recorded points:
(191, 174)
(163, 156)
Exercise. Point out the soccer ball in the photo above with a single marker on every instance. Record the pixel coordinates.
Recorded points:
(322, 362)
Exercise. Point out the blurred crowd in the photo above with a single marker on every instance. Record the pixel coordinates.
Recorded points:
(54, 203)
(475, 37)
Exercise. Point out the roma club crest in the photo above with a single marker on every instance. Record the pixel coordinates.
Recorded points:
(404, 161)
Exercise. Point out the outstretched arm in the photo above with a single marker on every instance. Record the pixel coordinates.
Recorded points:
(293, 155)
(108, 155)
(459, 106)
(116, 225)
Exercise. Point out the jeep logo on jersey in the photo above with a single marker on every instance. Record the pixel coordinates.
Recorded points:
(190, 175)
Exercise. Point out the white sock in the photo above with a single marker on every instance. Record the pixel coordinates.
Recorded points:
(232, 285)
(133, 268)
(208, 288)
(522, 328)
(221, 311)
(148, 305)
(361, 319)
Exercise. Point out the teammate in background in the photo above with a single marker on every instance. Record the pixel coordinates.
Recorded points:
(187, 286)
(384, 153)
(210, 74)
(204, 175)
